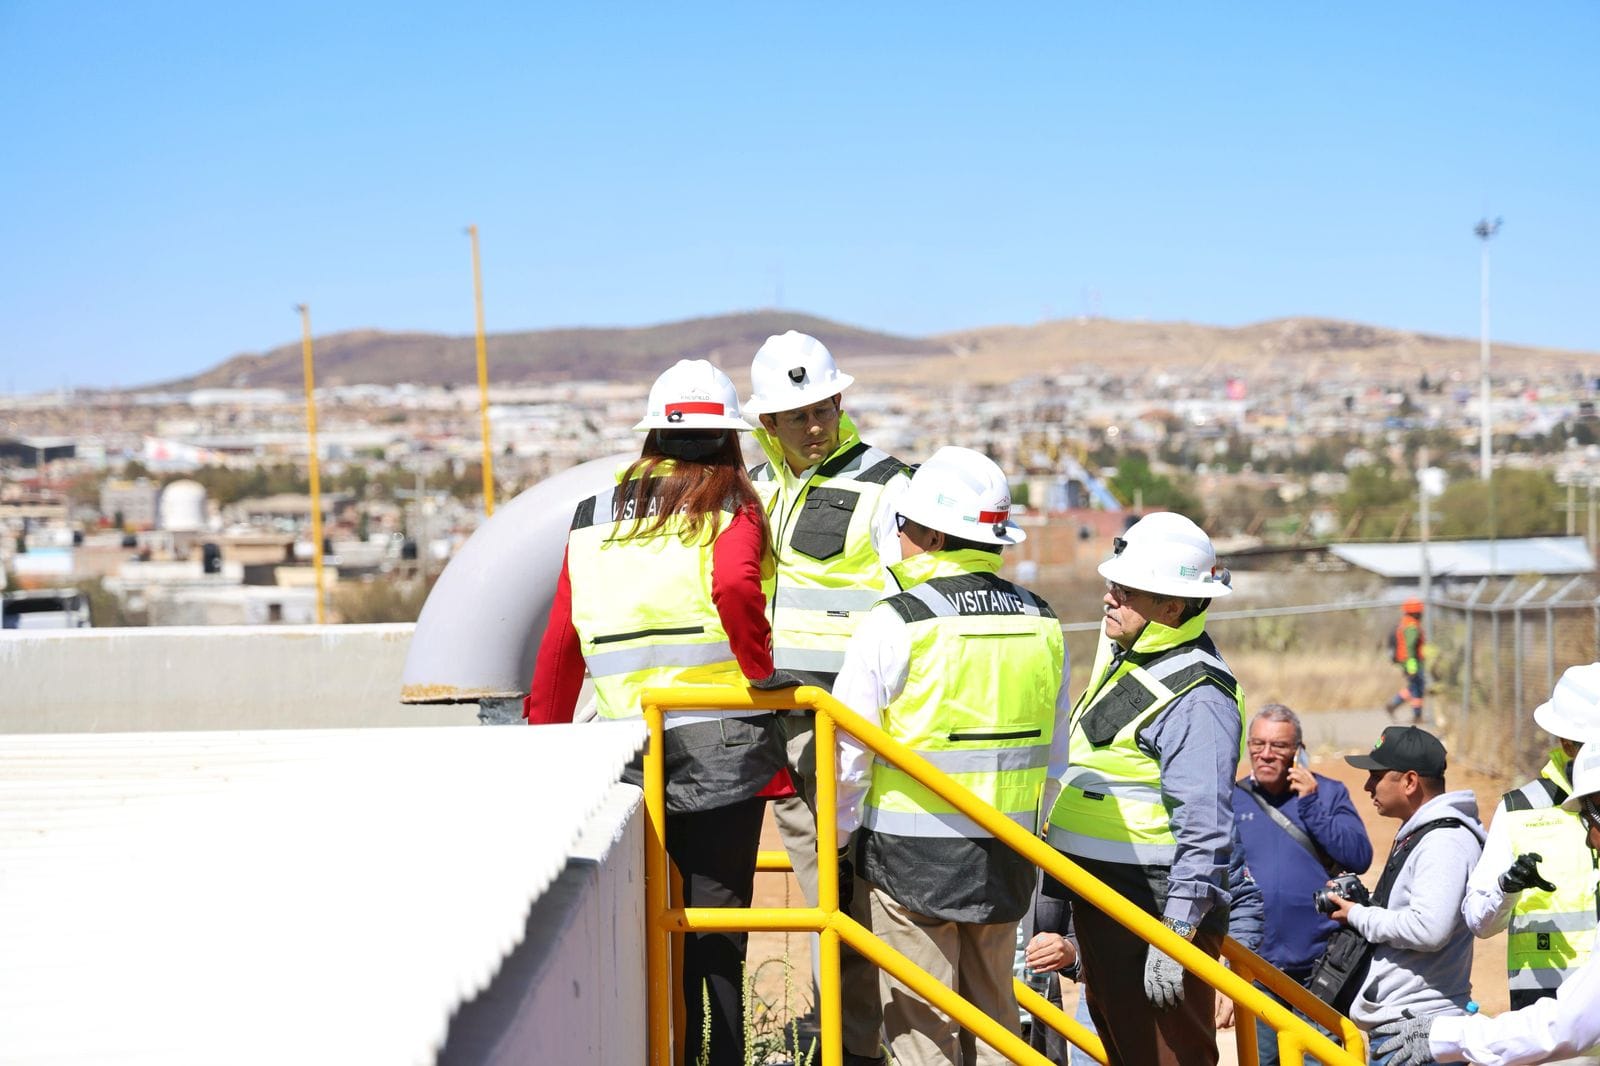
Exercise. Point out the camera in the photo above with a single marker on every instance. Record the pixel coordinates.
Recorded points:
(1348, 886)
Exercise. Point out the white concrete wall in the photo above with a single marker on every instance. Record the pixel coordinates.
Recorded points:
(210, 677)
(573, 991)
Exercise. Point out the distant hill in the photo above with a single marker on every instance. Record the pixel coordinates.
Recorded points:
(1291, 347)
(373, 357)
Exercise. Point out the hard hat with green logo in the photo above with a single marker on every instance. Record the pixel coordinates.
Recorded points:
(1166, 554)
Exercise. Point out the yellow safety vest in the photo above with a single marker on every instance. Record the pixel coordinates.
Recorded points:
(642, 605)
(1110, 806)
(1551, 934)
(979, 698)
(828, 572)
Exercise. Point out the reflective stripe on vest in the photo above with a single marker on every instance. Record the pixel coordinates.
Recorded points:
(828, 572)
(1550, 934)
(1110, 805)
(979, 697)
(641, 605)
(927, 824)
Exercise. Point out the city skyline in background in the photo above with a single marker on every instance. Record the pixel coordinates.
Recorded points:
(180, 176)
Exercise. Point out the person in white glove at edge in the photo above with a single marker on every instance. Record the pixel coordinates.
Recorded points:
(1562, 1027)
(1536, 879)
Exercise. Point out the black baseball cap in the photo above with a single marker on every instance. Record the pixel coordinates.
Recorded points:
(1403, 747)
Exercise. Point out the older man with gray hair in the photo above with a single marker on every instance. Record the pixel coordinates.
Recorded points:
(1299, 828)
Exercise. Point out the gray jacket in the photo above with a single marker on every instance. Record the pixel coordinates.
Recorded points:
(1423, 961)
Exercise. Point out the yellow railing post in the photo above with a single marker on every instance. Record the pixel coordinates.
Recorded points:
(657, 966)
(828, 1012)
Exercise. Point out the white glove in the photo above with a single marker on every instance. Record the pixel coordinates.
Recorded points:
(1163, 978)
(1408, 1039)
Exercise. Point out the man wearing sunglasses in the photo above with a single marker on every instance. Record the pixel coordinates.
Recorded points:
(1563, 1026)
(830, 502)
(1535, 878)
(1141, 790)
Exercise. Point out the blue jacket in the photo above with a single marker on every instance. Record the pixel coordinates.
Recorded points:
(1287, 875)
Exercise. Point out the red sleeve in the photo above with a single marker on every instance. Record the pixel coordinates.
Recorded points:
(558, 671)
(736, 591)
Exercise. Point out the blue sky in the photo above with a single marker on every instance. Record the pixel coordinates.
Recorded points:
(175, 176)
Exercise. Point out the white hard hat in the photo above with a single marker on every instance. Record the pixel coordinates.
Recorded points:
(793, 370)
(1585, 776)
(1166, 554)
(963, 493)
(1573, 710)
(692, 394)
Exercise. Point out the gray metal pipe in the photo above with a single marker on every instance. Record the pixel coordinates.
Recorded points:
(480, 629)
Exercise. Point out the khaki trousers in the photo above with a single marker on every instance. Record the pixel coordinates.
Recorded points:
(974, 960)
(797, 825)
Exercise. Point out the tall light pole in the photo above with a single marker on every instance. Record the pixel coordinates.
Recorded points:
(316, 479)
(1485, 230)
(483, 377)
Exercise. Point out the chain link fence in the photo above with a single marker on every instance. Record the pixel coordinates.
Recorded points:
(1495, 651)
(1498, 648)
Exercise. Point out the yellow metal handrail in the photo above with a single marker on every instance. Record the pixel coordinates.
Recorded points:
(1295, 1035)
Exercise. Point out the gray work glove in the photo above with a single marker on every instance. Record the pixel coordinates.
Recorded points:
(1407, 1039)
(776, 680)
(1163, 978)
(1524, 873)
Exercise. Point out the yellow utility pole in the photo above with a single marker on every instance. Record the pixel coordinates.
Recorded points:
(483, 376)
(316, 480)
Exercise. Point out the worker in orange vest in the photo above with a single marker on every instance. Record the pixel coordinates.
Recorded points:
(1405, 644)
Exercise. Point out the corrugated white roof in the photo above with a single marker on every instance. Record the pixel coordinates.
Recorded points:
(1472, 558)
(275, 896)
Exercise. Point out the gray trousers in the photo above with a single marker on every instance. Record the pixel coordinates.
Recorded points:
(797, 824)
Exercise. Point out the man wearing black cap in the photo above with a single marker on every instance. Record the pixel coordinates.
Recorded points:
(1422, 961)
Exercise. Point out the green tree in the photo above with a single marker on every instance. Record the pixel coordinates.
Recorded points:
(1135, 481)
(1527, 503)
(1376, 501)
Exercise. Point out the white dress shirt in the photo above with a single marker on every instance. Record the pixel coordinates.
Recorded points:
(1564, 1026)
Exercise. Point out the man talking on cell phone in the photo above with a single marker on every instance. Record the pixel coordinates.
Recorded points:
(1298, 828)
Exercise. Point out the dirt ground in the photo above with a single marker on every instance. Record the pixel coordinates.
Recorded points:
(778, 890)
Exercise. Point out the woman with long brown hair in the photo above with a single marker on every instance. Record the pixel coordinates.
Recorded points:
(663, 573)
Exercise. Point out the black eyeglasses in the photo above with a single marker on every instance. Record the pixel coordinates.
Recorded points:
(900, 521)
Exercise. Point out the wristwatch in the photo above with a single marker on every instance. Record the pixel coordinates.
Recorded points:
(1187, 930)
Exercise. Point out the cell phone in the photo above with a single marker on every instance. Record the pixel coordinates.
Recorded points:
(1302, 758)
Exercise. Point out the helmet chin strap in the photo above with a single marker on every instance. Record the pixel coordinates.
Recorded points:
(692, 445)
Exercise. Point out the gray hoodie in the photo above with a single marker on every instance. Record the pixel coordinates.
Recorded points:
(1423, 961)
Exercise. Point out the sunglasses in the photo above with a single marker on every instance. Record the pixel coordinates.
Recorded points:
(1122, 592)
(900, 521)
